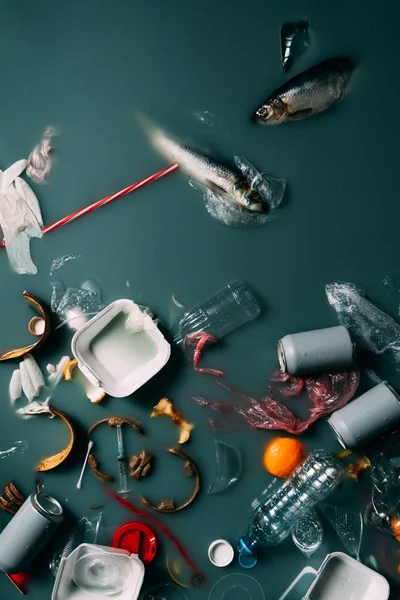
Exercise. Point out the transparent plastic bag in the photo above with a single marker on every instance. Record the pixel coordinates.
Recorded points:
(370, 327)
(348, 526)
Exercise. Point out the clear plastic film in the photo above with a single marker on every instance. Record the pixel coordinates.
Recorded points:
(237, 586)
(40, 159)
(18, 447)
(225, 209)
(308, 533)
(139, 318)
(370, 327)
(73, 306)
(84, 532)
(228, 467)
(348, 526)
(294, 42)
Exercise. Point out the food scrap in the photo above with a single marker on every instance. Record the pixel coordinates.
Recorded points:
(166, 408)
(354, 469)
(282, 456)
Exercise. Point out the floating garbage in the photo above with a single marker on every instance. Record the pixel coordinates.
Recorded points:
(12, 499)
(137, 538)
(370, 327)
(223, 312)
(294, 42)
(166, 408)
(348, 525)
(18, 447)
(308, 533)
(228, 467)
(28, 531)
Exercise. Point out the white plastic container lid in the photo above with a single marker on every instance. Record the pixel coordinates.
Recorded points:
(131, 584)
(113, 356)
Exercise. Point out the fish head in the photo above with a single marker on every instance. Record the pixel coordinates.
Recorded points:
(271, 112)
(249, 198)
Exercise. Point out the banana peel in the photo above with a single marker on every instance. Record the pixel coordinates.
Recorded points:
(18, 352)
(93, 393)
(47, 464)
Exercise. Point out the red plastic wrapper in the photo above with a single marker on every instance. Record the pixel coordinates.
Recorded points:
(327, 392)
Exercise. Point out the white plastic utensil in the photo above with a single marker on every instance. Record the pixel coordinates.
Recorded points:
(90, 446)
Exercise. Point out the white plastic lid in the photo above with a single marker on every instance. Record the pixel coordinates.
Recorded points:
(220, 553)
(116, 357)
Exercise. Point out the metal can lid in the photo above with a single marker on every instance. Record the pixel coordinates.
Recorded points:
(136, 538)
(220, 553)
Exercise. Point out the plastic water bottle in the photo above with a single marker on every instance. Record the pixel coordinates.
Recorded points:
(271, 522)
(229, 308)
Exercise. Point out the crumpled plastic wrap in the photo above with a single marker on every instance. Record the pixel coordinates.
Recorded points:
(74, 305)
(20, 218)
(384, 509)
(140, 318)
(228, 212)
(327, 392)
(370, 327)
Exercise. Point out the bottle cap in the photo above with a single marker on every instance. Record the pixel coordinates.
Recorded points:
(247, 558)
(220, 553)
(138, 539)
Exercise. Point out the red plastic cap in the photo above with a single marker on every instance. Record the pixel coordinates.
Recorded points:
(136, 538)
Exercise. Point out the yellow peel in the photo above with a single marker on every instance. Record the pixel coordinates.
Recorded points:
(54, 461)
(69, 367)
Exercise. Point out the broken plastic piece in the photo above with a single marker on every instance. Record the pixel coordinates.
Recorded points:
(168, 506)
(56, 376)
(229, 308)
(17, 448)
(84, 532)
(370, 327)
(308, 533)
(229, 467)
(15, 387)
(294, 42)
(54, 461)
(21, 351)
(40, 159)
(327, 393)
(238, 587)
(348, 525)
(58, 263)
(165, 407)
(179, 571)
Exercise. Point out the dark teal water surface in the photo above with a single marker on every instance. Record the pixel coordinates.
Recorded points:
(87, 68)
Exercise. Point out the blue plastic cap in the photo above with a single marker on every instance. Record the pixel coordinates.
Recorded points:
(247, 558)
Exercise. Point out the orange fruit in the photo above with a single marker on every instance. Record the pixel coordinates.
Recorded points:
(282, 455)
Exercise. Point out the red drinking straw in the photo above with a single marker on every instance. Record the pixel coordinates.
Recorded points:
(91, 207)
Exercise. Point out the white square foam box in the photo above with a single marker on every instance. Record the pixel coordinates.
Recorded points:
(114, 357)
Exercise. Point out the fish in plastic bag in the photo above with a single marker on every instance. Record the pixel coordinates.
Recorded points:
(370, 327)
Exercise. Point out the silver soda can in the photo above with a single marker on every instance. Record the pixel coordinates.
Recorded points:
(28, 531)
(312, 351)
(367, 417)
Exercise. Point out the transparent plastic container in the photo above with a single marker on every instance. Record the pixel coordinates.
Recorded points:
(271, 522)
(233, 306)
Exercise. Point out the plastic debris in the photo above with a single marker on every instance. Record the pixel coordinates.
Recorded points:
(35, 408)
(140, 318)
(93, 392)
(34, 373)
(28, 387)
(370, 327)
(74, 305)
(40, 159)
(15, 387)
(231, 214)
(79, 484)
(308, 533)
(228, 467)
(36, 326)
(165, 407)
(58, 263)
(17, 448)
(20, 218)
(84, 532)
(227, 309)
(348, 525)
(294, 42)
(58, 373)
(199, 340)
(327, 393)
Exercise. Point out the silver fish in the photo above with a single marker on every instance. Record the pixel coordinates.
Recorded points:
(227, 182)
(308, 93)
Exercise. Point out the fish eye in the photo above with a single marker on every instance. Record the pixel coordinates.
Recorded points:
(262, 112)
(254, 195)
